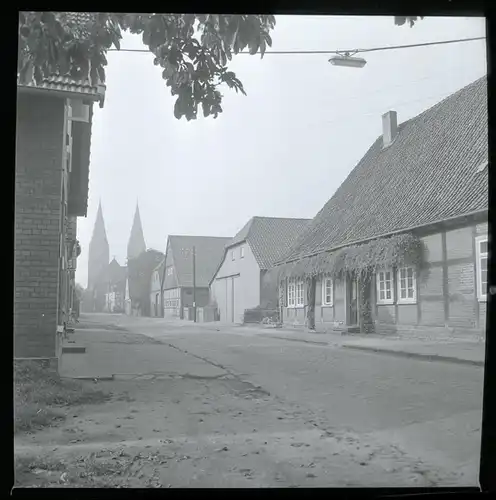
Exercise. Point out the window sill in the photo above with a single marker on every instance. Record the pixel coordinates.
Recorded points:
(327, 305)
(407, 302)
(386, 303)
(482, 299)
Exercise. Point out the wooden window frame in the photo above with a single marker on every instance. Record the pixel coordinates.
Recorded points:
(407, 300)
(481, 294)
(378, 286)
(325, 281)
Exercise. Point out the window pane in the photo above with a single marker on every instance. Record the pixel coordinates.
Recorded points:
(382, 295)
(403, 293)
(388, 294)
(410, 282)
(403, 283)
(483, 264)
(403, 273)
(484, 278)
(410, 293)
(483, 247)
(381, 285)
(410, 272)
(388, 276)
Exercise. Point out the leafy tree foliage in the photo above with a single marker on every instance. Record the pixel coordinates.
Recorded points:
(411, 20)
(193, 50)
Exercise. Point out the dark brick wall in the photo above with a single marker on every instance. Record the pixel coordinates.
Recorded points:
(38, 192)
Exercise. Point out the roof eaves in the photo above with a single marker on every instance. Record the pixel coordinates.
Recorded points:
(385, 235)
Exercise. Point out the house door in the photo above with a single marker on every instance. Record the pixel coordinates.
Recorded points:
(352, 301)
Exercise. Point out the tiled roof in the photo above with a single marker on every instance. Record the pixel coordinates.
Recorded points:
(428, 174)
(78, 23)
(209, 252)
(270, 237)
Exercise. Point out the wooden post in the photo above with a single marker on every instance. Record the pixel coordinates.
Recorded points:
(194, 284)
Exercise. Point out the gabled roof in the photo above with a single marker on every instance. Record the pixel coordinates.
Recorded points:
(79, 24)
(270, 237)
(430, 173)
(209, 251)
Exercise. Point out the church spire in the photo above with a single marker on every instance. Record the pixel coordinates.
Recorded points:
(98, 256)
(99, 227)
(136, 244)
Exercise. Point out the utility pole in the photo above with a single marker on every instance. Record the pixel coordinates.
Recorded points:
(194, 284)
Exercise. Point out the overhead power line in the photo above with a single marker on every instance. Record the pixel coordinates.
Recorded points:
(354, 51)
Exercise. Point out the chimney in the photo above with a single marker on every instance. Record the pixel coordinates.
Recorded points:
(389, 128)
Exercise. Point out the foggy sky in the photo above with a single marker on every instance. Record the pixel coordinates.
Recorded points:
(283, 149)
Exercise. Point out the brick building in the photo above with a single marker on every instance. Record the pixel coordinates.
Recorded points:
(402, 246)
(51, 190)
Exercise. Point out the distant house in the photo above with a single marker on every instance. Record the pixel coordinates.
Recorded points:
(239, 282)
(402, 246)
(156, 307)
(53, 136)
(177, 274)
(115, 281)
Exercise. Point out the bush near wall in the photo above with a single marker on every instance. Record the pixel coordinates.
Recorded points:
(258, 314)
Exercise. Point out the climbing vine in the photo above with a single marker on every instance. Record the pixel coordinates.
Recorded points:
(359, 262)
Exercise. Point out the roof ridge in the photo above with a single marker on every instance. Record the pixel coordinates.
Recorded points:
(194, 236)
(280, 218)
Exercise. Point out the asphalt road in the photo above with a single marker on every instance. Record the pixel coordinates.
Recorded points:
(433, 409)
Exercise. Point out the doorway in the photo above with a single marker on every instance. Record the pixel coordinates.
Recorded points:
(352, 301)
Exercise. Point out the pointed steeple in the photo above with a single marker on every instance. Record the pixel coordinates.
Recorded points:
(98, 256)
(136, 244)
(99, 232)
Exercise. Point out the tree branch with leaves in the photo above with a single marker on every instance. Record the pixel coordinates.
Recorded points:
(193, 49)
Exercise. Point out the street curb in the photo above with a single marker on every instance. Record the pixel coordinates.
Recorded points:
(403, 354)
(294, 339)
(97, 379)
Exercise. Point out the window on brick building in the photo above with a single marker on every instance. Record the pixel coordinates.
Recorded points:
(384, 281)
(327, 292)
(407, 285)
(481, 247)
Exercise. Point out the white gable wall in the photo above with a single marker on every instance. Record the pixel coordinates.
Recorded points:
(236, 285)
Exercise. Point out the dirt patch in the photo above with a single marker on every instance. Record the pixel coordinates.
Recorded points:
(206, 433)
(42, 398)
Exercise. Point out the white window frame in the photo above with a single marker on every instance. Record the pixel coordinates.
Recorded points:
(407, 300)
(291, 294)
(298, 302)
(378, 286)
(242, 252)
(481, 294)
(325, 283)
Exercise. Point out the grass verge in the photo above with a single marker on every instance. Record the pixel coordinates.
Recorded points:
(41, 396)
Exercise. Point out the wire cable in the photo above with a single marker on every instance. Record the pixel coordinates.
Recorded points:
(355, 51)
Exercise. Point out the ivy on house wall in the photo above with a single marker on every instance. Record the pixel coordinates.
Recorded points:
(358, 262)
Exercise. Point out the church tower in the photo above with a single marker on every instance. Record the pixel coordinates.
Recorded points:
(98, 255)
(136, 244)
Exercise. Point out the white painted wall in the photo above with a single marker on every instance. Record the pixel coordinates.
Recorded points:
(246, 287)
